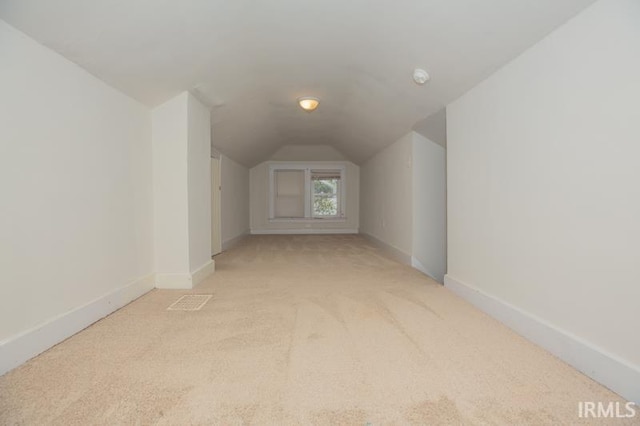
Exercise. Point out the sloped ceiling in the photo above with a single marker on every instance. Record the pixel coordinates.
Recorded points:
(434, 127)
(249, 60)
(307, 153)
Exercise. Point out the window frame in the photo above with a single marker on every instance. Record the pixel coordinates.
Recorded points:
(309, 193)
(339, 210)
(275, 191)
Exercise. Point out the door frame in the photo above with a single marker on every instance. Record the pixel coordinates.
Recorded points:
(216, 206)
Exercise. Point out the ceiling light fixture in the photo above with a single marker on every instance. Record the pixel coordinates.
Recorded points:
(308, 103)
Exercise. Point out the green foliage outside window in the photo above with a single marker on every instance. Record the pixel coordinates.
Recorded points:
(325, 197)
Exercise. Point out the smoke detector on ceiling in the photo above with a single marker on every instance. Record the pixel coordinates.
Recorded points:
(420, 76)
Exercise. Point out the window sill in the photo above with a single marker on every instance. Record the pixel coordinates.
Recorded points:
(309, 220)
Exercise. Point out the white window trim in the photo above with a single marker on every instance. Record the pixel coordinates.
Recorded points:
(308, 196)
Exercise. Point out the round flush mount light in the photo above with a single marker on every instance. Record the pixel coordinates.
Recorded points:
(308, 103)
(420, 76)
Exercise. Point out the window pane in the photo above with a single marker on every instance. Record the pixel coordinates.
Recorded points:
(325, 186)
(325, 205)
(325, 193)
(289, 193)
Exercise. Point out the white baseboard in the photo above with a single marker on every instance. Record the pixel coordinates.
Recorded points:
(185, 281)
(203, 272)
(392, 251)
(174, 281)
(304, 231)
(20, 348)
(232, 242)
(614, 373)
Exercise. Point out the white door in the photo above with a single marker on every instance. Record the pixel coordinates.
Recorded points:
(216, 237)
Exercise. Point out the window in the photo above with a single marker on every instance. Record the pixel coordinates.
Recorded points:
(289, 193)
(306, 191)
(326, 192)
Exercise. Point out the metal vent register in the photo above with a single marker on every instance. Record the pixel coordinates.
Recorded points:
(190, 302)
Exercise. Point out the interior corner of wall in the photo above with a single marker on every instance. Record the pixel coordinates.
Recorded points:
(415, 263)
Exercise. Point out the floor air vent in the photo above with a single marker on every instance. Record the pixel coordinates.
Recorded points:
(190, 302)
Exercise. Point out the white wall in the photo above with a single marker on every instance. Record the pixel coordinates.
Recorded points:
(403, 202)
(199, 181)
(259, 205)
(75, 179)
(307, 153)
(544, 191)
(234, 200)
(429, 208)
(182, 192)
(170, 127)
(386, 201)
(434, 127)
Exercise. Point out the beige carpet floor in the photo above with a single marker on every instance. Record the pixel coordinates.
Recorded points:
(306, 330)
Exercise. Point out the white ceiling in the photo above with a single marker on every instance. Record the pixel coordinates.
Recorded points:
(250, 59)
